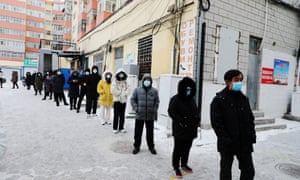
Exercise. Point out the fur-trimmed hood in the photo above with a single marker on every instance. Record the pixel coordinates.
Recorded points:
(182, 86)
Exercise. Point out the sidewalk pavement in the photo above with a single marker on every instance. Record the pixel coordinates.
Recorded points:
(48, 142)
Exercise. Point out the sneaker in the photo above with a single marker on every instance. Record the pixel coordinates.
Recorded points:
(88, 116)
(135, 150)
(178, 173)
(186, 168)
(115, 131)
(94, 115)
(123, 131)
(153, 151)
(109, 123)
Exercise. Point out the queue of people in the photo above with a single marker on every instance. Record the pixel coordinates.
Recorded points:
(231, 117)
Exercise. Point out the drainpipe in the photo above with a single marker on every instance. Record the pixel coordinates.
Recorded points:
(199, 57)
(297, 68)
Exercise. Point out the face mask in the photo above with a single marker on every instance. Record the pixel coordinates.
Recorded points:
(147, 83)
(237, 86)
(87, 73)
(188, 91)
(75, 74)
(58, 73)
(121, 75)
(108, 77)
(95, 71)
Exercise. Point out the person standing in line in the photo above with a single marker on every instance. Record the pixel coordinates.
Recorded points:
(92, 94)
(106, 98)
(83, 87)
(185, 120)
(32, 80)
(73, 89)
(233, 122)
(48, 85)
(58, 88)
(1, 78)
(120, 90)
(145, 102)
(28, 80)
(38, 83)
(14, 79)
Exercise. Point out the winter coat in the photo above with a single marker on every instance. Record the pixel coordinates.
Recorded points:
(92, 83)
(58, 83)
(104, 90)
(120, 87)
(233, 121)
(184, 111)
(48, 83)
(28, 79)
(73, 81)
(38, 82)
(83, 83)
(14, 77)
(145, 101)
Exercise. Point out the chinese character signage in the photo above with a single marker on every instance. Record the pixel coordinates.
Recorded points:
(279, 75)
(267, 75)
(187, 40)
(31, 63)
(281, 72)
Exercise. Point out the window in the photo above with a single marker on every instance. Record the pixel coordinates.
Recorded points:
(98, 60)
(10, 54)
(12, 31)
(119, 57)
(254, 44)
(144, 55)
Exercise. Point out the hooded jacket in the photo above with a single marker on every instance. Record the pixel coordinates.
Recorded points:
(83, 81)
(184, 111)
(232, 121)
(145, 101)
(92, 82)
(74, 84)
(104, 90)
(120, 87)
(38, 82)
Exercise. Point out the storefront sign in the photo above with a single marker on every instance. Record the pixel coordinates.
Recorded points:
(281, 72)
(267, 76)
(31, 63)
(187, 40)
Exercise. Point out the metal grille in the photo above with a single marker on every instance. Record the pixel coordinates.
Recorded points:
(145, 55)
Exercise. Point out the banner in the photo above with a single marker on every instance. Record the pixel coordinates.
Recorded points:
(267, 76)
(187, 43)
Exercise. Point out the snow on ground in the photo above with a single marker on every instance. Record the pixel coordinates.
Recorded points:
(48, 142)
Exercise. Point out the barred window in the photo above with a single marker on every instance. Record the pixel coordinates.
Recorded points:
(144, 55)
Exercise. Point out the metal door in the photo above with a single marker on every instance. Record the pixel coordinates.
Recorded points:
(253, 79)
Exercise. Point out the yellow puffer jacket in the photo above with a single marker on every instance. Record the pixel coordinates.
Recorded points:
(106, 97)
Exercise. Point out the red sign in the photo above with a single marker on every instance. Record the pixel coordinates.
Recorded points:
(267, 75)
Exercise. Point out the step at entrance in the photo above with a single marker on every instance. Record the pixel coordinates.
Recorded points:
(263, 123)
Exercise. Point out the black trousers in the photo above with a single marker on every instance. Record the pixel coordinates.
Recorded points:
(73, 101)
(58, 97)
(81, 96)
(1, 82)
(245, 165)
(15, 84)
(119, 115)
(91, 104)
(138, 132)
(181, 152)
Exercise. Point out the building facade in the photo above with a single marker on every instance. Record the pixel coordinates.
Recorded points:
(164, 37)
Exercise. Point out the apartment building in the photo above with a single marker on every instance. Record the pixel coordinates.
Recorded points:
(28, 25)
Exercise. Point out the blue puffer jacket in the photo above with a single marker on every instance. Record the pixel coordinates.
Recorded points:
(145, 101)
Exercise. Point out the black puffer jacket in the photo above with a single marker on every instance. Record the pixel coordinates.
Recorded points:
(184, 111)
(74, 84)
(92, 82)
(233, 121)
(58, 83)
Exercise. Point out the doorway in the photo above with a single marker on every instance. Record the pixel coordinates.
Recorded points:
(253, 71)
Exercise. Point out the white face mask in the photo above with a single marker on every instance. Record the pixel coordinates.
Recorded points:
(95, 71)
